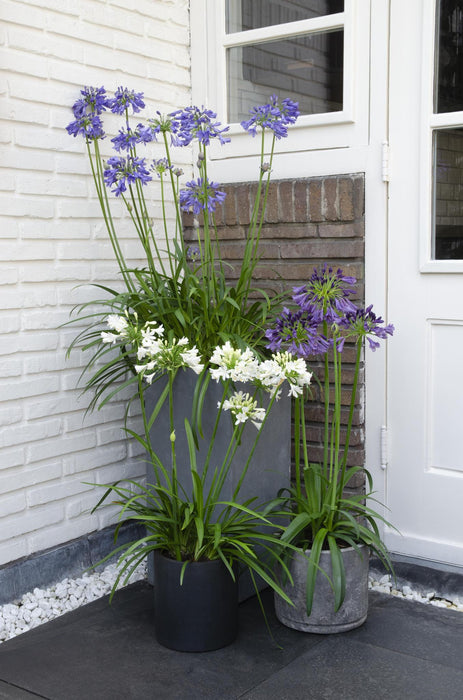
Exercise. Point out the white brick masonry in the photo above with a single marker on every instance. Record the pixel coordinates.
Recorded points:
(52, 240)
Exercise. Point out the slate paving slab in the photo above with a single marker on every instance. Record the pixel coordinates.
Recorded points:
(344, 669)
(102, 652)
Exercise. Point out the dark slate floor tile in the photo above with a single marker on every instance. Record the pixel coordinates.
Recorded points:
(100, 650)
(424, 631)
(10, 692)
(103, 652)
(344, 669)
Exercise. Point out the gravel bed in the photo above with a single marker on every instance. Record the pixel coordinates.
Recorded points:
(42, 605)
(385, 584)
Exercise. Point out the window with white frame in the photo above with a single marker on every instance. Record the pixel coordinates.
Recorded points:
(315, 52)
(304, 64)
(447, 134)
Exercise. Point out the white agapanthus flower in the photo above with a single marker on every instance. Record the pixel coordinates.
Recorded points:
(192, 359)
(285, 367)
(117, 323)
(162, 355)
(243, 408)
(119, 326)
(235, 364)
(150, 341)
(109, 337)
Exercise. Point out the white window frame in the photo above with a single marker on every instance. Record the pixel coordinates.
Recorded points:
(330, 130)
(431, 121)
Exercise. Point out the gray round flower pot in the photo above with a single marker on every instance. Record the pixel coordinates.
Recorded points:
(323, 618)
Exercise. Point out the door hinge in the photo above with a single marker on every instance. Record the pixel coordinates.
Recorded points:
(383, 447)
(385, 161)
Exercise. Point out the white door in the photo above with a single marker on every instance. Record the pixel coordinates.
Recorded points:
(424, 476)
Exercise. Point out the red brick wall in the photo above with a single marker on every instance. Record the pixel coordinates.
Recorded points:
(308, 222)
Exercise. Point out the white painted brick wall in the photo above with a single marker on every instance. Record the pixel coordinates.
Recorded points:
(52, 240)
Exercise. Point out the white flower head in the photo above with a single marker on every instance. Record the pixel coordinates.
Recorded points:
(118, 323)
(233, 363)
(284, 367)
(295, 372)
(109, 337)
(192, 359)
(150, 343)
(243, 408)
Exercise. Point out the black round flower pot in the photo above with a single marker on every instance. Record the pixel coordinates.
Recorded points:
(201, 614)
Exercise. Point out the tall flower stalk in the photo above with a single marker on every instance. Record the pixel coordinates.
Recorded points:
(323, 516)
(192, 298)
(201, 524)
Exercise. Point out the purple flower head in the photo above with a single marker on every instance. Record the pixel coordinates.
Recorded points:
(161, 166)
(325, 296)
(127, 138)
(93, 101)
(121, 172)
(298, 334)
(145, 134)
(194, 122)
(165, 125)
(201, 194)
(125, 98)
(274, 115)
(363, 323)
(193, 253)
(89, 125)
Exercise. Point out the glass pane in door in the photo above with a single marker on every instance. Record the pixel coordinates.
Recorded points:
(308, 69)
(448, 194)
(449, 56)
(242, 15)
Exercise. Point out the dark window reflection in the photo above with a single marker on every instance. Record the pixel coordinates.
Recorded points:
(252, 14)
(449, 56)
(308, 69)
(448, 194)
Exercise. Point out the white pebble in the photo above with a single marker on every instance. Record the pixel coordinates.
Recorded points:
(384, 585)
(38, 606)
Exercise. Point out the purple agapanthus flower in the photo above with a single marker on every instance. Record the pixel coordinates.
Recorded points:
(363, 323)
(325, 296)
(89, 125)
(93, 101)
(201, 194)
(193, 254)
(125, 98)
(125, 140)
(163, 124)
(161, 166)
(121, 172)
(274, 115)
(194, 122)
(298, 333)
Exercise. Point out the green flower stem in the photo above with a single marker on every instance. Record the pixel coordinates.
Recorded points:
(176, 543)
(178, 216)
(102, 194)
(334, 467)
(164, 219)
(326, 386)
(253, 449)
(298, 416)
(255, 238)
(352, 405)
(148, 233)
(216, 424)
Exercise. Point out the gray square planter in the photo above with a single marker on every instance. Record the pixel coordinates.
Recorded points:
(270, 467)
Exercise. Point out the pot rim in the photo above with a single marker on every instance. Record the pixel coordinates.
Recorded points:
(345, 550)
